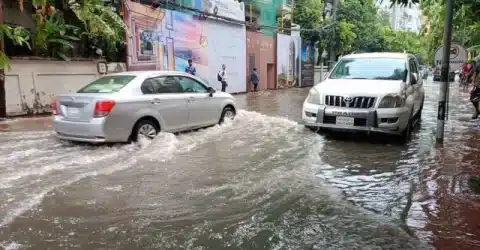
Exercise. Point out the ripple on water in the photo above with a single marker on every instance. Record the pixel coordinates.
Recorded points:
(257, 182)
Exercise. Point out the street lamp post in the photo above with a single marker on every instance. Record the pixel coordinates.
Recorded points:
(443, 97)
(324, 56)
(330, 10)
(332, 52)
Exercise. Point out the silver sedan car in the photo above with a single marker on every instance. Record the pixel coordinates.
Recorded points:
(122, 107)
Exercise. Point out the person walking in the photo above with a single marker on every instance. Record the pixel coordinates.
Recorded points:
(222, 77)
(254, 79)
(190, 68)
(475, 93)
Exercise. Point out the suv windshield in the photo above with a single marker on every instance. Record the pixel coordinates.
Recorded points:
(370, 68)
(107, 84)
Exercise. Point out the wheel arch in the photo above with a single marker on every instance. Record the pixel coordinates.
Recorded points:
(229, 105)
(145, 118)
(148, 118)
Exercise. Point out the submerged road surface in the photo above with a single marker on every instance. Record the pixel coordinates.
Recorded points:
(259, 182)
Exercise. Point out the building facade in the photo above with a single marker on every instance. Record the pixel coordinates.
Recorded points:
(165, 39)
(241, 35)
(407, 18)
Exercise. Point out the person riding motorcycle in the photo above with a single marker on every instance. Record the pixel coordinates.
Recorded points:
(467, 72)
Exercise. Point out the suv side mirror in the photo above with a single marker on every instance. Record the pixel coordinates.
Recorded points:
(414, 78)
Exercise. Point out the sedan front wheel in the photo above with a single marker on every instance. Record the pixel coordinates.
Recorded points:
(227, 113)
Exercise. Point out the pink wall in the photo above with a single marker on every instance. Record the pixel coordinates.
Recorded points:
(263, 49)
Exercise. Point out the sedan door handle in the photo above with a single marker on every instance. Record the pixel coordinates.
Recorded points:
(156, 101)
(191, 99)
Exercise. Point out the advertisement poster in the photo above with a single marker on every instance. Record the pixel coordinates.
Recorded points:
(165, 40)
(307, 65)
(287, 61)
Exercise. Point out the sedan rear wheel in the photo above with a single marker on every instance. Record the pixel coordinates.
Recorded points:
(146, 129)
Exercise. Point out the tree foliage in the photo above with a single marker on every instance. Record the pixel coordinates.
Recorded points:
(466, 23)
(361, 27)
(59, 31)
(18, 35)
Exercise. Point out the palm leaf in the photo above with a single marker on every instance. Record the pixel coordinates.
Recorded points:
(73, 38)
(4, 61)
(63, 56)
(61, 41)
(474, 48)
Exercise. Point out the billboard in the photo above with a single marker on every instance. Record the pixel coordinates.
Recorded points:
(226, 46)
(288, 58)
(307, 65)
(165, 40)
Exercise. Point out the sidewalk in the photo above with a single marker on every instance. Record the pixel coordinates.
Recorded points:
(38, 123)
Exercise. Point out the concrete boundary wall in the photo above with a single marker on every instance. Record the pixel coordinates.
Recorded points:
(320, 74)
(30, 85)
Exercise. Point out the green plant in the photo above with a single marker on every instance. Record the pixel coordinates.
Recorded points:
(52, 36)
(100, 21)
(18, 35)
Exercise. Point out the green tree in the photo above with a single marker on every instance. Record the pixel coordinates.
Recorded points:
(18, 35)
(308, 14)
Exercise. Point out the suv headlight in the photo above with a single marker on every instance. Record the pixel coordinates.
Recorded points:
(313, 97)
(392, 101)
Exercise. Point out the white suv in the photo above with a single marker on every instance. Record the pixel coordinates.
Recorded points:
(372, 92)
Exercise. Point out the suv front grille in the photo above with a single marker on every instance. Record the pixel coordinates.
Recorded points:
(361, 102)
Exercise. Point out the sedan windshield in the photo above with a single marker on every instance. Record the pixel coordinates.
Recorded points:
(370, 68)
(107, 84)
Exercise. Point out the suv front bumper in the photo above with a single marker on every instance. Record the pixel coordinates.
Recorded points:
(390, 121)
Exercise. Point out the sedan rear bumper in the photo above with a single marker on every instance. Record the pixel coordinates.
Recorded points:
(79, 139)
(91, 131)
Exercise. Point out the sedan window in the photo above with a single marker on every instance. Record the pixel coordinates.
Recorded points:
(190, 85)
(107, 84)
(161, 85)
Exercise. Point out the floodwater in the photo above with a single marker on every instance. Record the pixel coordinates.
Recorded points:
(259, 182)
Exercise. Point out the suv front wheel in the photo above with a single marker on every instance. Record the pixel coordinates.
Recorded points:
(407, 132)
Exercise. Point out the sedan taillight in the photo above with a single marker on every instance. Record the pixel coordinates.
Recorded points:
(103, 108)
(54, 107)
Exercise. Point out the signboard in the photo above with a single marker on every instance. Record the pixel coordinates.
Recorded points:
(227, 8)
(307, 65)
(458, 56)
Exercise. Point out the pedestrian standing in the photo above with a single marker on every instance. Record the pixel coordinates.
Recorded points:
(222, 77)
(475, 93)
(190, 68)
(254, 79)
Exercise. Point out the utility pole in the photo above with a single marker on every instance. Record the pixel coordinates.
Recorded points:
(444, 85)
(332, 51)
(3, 101)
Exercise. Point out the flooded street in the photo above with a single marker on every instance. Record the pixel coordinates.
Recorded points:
(260, 182)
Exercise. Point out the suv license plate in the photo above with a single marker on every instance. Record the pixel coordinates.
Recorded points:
(347, 121)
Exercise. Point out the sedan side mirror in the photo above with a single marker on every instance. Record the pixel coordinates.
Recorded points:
(211, 91)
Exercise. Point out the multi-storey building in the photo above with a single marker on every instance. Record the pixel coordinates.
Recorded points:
(402, 17)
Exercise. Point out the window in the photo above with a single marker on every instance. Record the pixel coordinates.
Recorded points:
(370, 68)
(190, 85)
(161, 85)
(107, 84)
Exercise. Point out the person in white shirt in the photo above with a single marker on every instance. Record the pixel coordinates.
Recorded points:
(222, 77)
